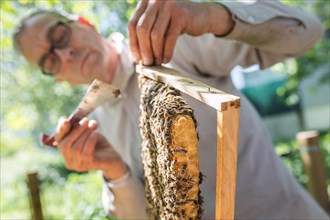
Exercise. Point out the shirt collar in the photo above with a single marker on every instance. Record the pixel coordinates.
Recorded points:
(125, 65)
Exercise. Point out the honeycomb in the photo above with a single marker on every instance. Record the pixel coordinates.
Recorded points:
(169, 153)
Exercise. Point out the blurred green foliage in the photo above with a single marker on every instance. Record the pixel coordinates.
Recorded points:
(31, 103)
(317, 57)
(290, 152)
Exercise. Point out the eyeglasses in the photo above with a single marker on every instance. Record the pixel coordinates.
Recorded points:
(59, 37)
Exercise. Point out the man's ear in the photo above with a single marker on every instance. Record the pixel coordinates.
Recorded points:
(85, 22)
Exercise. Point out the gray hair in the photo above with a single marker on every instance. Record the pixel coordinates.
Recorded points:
(22, 25)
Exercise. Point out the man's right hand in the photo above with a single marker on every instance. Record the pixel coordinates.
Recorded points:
(156, 25)
(84, 148)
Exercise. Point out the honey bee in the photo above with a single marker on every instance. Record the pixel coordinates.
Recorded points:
(179, 150)
(201, 178)
(184, 168)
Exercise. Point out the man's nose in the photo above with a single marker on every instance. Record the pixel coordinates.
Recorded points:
(65, 54)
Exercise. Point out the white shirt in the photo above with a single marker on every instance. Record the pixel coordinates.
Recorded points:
(266, 32)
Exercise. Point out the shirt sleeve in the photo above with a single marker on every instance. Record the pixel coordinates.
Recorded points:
(271, 26)
(265, 33)
(125, 199)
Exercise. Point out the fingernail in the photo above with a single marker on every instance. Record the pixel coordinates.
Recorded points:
(136, 58)
(83, 121)
(92, 124)
(146, 61)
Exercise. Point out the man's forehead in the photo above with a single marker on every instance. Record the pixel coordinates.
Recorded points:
(33, 38)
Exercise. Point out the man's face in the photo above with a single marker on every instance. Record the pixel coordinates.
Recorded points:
(86, 56)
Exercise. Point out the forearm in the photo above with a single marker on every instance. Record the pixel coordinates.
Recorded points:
(117, 170)
(272, 26)
(209, 18)
(264, 33)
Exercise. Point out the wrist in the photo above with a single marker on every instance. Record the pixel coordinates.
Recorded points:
(115, 183)
(221, 20)
(115, 172)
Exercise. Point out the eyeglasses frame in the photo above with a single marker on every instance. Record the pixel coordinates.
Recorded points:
(51, 51)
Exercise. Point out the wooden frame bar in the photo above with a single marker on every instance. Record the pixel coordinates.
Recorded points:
(311, 155)
(227, 107)
(34, 190)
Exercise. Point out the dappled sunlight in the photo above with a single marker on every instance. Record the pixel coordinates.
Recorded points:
(32, 103)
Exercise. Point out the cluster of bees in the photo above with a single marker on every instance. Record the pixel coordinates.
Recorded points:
(171, 182)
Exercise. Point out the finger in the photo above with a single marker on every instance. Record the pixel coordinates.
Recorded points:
(171, 37)
(158, 34)
(144, 26)
(77, 148)
(63, 127)
(88, 151)
(81, 167)
(65, 146)
(70, 138)
(133, 41)
(79, 145)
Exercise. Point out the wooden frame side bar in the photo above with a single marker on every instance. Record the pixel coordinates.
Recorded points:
(227, 133)
(227, 107)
